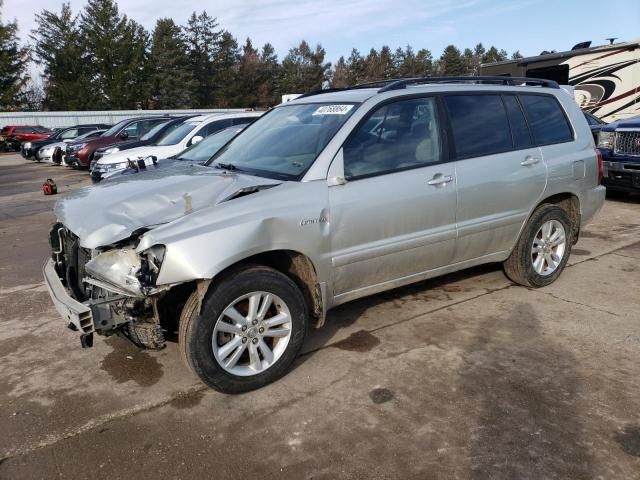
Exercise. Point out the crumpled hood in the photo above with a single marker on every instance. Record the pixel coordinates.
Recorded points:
(163, 151)
(108, 212)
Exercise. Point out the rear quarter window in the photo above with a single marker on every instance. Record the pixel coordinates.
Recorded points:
(547, 120)
(479, 123)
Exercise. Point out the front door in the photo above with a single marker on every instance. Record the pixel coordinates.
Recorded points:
(394, 218)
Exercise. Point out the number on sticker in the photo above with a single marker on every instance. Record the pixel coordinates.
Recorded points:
(333, 110)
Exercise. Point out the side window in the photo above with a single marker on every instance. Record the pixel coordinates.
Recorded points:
(73, 133)
(132, 130)
(214, 127)
(147, 125)
(479, 123)
(519, 127)
(242, 121)
(546, 119)
(22, 130)
(396, 136)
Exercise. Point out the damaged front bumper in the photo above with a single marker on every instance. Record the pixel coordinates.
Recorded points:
(77, 314)
(104, 293)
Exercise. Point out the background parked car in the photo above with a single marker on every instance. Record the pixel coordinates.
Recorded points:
(619, 144)
(186, 134)
(149, 138)
(30, 149)
(198, 153)
(79, 154)
(595, 124)
(54, 152)
(12, 136)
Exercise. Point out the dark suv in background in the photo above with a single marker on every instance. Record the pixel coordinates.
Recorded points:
(619, 144)
(30, 149)
(80, 154)
(149, 138)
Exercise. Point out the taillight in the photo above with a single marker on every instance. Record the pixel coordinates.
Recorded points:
(599, 157)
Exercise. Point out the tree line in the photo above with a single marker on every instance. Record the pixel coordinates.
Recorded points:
(99, 59)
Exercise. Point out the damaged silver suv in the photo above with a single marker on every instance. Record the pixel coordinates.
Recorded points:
(323, 200)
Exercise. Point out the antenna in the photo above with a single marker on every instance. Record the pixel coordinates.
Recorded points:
(611, 40)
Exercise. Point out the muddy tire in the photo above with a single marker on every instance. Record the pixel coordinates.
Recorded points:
(249, 330)
(543, 248)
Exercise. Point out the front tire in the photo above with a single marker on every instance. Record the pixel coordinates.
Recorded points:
(249, 330)
(543, 248)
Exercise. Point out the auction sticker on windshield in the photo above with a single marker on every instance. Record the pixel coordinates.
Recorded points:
(333, 110)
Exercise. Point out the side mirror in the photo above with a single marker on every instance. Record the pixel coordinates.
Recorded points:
(196, 139)
(123, 136)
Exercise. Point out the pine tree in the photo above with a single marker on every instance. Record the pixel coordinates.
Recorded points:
(13, 64)
(114, 47)
(451, 63)
(493, 55)
(355, 68)
(268, 88)
(340, 77)
(304, 70)
(57, 48)
(172, 80)
(516, 55)
(204, 42)
(225, 66)
(249, 70)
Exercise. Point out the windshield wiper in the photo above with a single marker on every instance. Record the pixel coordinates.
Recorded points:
(228, 166)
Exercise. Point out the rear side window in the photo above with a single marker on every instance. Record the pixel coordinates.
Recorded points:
(214, 127)
(519, 128)
(479, 123)
(546, 119)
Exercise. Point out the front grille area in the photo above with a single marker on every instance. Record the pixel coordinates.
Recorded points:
(70, 260)
(627, 143)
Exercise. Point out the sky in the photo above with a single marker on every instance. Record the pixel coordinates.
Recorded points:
(529, 26)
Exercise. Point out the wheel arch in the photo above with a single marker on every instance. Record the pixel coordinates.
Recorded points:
(570, 203)
(295, 265)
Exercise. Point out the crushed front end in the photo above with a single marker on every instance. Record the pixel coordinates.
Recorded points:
(105, 291)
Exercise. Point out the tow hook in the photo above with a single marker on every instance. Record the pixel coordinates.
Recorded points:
(86, 340)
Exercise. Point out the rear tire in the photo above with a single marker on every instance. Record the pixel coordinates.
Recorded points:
(233, 350)
(539, 256)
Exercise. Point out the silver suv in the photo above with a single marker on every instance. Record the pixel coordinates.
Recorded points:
(328, 198)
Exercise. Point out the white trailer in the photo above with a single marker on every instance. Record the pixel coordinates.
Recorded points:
(606, 79)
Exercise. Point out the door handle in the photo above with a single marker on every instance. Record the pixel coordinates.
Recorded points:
(440, 179)
(529, 160)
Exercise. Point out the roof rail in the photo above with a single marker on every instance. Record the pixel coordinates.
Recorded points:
(373, 84)
(499, 80)
(401, 83)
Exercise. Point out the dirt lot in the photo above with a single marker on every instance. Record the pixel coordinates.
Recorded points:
(467, 376)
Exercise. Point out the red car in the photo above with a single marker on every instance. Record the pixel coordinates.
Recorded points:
(79, 154)
(12, 136)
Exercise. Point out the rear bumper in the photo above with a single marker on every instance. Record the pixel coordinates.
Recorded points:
(592, 201)
(69, 308)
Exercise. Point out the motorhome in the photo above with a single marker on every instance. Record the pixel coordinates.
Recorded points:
(606, 79)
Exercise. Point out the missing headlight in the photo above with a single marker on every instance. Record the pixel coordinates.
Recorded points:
(151, 262)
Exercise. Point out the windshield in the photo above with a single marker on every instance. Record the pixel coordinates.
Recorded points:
(208, 147)
(176, 135)
(95, 133)
(116, 128)
(154, 131)
(286, 141)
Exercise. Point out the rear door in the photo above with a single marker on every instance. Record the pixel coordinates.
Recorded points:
(500, 171)
(394, 218)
